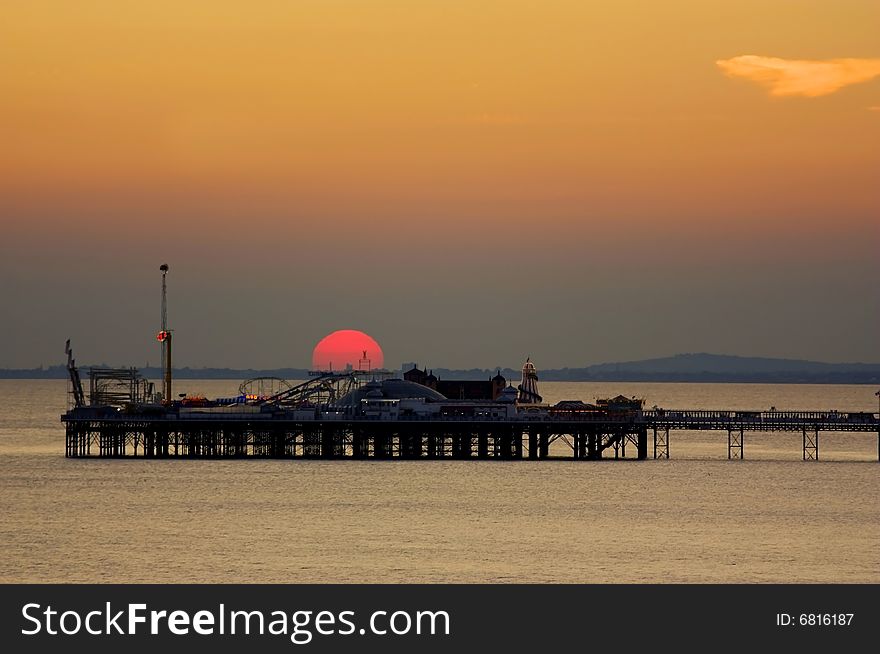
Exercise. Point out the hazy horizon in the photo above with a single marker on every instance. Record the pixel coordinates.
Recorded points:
(397, 366)
(576, 182)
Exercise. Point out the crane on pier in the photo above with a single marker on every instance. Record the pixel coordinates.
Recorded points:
(75, 382)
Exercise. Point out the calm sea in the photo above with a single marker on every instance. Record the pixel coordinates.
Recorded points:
(695, 518)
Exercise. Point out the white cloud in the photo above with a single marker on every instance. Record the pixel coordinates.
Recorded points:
(801, 77)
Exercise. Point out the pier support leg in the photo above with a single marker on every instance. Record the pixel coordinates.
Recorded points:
(326, 443)
(507, 445)
(811, 445)
(543, 444)
(313, 449)
(533, 444)
(483, 445)
(642, 445)
(417, 445)
(661, 443)
(593, 446)
(734, 444)
(461, 442)
(358, 445)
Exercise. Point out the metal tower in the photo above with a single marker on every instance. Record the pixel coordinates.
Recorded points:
(164, 338)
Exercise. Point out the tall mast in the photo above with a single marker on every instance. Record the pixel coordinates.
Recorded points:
(164, 269)
(164, 338)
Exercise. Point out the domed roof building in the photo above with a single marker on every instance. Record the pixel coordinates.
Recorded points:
(508, 396)
(390, 389)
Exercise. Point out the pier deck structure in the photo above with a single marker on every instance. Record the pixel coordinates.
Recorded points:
(169, 433)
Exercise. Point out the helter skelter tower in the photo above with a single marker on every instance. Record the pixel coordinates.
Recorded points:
(164, 338)
(528, 389)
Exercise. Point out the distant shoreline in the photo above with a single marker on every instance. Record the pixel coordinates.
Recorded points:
(25, 375)
(699, 368)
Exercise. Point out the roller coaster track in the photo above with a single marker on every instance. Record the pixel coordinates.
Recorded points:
(328, 387)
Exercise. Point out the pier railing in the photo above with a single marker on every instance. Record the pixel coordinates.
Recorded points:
(761, 420)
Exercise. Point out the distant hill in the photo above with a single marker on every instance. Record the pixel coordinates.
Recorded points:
(704, 367)
(700, 367)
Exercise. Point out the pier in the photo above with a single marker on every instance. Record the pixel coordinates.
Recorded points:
(107, 432)
(362, 414)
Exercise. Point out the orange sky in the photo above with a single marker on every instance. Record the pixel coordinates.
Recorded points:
(510, 122)
(569, 108)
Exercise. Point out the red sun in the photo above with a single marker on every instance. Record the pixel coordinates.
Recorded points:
(346, 347)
